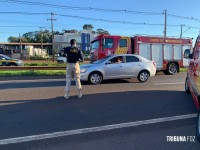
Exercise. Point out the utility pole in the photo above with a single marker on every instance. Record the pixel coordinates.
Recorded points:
(165, 24)
(20, 40)
(52, 34)
(181, 31)
(41, 37)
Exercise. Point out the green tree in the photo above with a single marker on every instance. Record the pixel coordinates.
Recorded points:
(88, 27)
(66, 31)
(29, 36)
(74, 31)
(47, 37)
(13, 39)
(24, 40)
(34, 37)
(70, 31)
(102, 31)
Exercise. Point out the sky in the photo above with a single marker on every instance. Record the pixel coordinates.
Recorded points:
(118, 17)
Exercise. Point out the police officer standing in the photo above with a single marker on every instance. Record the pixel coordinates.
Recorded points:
(74, 55)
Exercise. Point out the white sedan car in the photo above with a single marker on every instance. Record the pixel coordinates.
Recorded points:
(120, 66)
(61, 59)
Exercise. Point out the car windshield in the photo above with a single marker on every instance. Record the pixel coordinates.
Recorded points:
(100, 60)
(6, 57)
(95, 44)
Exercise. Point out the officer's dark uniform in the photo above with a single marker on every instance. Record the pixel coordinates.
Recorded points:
(74, 55)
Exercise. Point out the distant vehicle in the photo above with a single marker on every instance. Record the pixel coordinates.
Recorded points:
(7, 61)
(119, 66)
(192, 81)
(61, 59)
(167, 52)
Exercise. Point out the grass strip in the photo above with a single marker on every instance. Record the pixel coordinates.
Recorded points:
(32, 73)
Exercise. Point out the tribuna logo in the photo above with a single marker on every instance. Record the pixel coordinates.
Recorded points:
(180, 138)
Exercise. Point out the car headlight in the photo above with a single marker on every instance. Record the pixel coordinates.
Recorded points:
(83, 70)
(20, 61)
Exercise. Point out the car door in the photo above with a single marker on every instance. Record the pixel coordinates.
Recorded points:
(132, 66)
(1, 60)
(196, 71)
(113, 69)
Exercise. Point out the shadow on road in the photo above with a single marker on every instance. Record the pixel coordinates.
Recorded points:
(27, 84)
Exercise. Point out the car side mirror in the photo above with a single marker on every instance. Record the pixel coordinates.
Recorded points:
(109, 62)
(191, 56)
(187, 54)
(103, 43)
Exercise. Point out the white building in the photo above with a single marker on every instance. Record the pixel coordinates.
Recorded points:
(83, 39)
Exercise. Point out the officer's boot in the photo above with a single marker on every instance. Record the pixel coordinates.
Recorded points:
(66, 96)
(79, 93)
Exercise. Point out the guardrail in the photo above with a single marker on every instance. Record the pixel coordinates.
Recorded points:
(12, 68)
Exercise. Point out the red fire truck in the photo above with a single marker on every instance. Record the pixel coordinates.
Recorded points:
(166, 52)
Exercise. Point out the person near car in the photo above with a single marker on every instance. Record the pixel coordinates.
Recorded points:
(1, 50)
(74, 56)
(119, 59)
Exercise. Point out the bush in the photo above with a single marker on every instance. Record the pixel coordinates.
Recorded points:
(39, 58)
(43, 64)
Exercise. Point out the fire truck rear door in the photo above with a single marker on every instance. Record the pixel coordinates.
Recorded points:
(157, 55)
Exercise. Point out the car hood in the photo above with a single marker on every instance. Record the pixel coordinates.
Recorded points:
(89, 65)
(12, 59)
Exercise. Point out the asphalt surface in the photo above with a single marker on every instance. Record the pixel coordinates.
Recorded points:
(35, 106)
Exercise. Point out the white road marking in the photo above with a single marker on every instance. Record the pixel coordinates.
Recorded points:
(169, 83)
(93, 129)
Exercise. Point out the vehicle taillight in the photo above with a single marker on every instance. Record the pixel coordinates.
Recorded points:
(154, 63)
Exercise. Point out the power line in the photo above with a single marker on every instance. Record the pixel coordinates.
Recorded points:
(120, 22)
(106, 20)
(183, 17)
(20, 26)
(25, 13)
(9, 32)
(97, 9)
(81, 8)
(80, 17)
(192, 27)
(88, 18)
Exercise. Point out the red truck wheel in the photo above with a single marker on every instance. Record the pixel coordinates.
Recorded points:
(172, 68)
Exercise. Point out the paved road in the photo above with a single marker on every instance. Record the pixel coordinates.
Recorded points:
(35, 107)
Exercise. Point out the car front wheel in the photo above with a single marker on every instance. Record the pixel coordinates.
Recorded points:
(198, 126)
(143, 76)
(95, 78)
(12, 64)
(61, 62)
